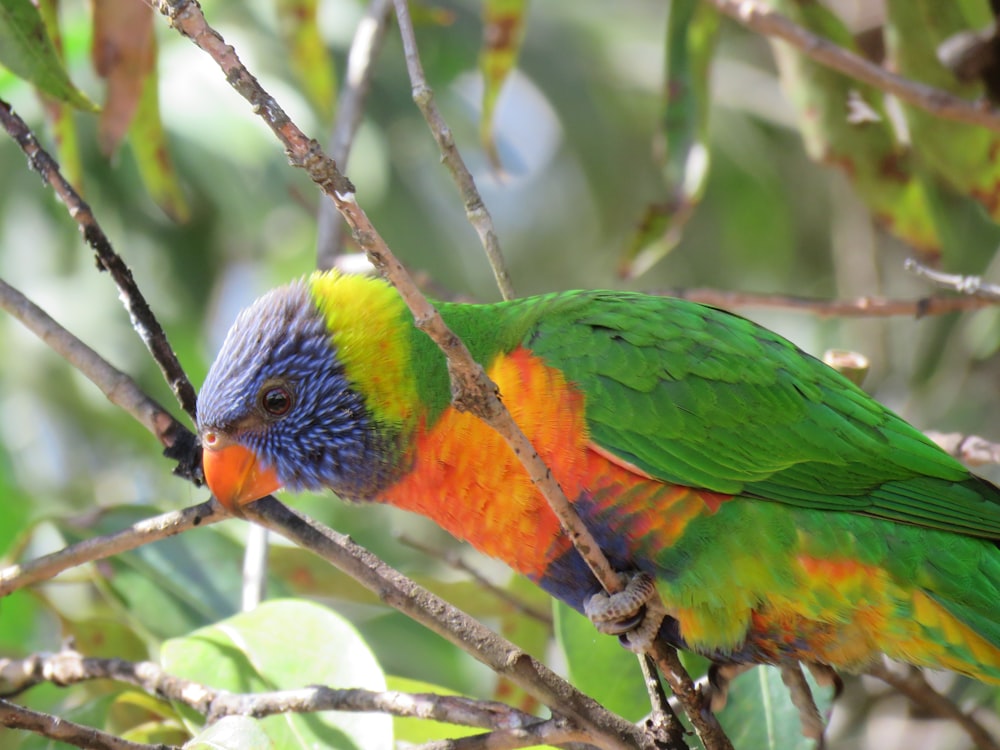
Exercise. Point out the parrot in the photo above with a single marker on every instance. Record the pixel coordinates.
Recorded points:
(779, 512)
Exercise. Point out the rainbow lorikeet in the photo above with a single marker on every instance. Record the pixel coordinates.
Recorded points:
(782, 512)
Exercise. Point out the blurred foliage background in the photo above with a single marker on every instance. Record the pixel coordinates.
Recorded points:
(579, 130)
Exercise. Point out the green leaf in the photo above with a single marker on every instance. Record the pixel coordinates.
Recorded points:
(760, 713)
(692, 28)
(27, 51)
(152, 155)
(285, 644)
(232, 733)
(844, 124)
(599, 666)
(503, 36)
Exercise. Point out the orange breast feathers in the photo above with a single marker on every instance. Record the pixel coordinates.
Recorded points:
(467, 479)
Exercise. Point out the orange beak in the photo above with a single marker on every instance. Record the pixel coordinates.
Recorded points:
(234, 474)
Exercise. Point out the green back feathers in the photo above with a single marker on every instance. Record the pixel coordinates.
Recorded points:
(688, 394)
(701, 397)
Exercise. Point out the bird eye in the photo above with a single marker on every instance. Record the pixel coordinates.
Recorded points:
(276, 401)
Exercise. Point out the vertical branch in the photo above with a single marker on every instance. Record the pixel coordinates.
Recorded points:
(475, 210)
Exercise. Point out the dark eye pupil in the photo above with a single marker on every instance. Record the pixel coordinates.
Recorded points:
(276, 401)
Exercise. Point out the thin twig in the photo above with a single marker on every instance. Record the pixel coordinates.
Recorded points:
(860, 307)
(762, 20)
(43, 568)
(915, 687)
(143, 320)
(475, 210)
(458, 628)
(14, 716)
(972, 286)
(365, 46)
(456, 562)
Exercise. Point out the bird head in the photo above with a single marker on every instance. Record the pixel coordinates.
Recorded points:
(278, 408)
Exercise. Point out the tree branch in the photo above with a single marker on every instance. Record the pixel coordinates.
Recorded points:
(18, 576)
(475, 210)
(760, 19)
(365, 46)
(53, 727)
(972, 286)
(143, 320)
(69, 667)
(120, 389)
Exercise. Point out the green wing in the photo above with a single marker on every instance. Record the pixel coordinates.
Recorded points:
(698, 396)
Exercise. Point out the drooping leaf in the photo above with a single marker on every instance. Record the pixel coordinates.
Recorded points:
(285, 644)
(309, 57)
(152, 154)
(692, 28)
(844, 124)
(124, 55)
(760, 713)
(503, 36)
(599, 666)
(27, 51)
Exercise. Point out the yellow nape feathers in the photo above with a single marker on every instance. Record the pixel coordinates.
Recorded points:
(369, 330)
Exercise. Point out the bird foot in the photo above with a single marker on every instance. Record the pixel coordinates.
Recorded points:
(634, 614)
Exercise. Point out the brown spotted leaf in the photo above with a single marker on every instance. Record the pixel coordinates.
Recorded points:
(124, 54)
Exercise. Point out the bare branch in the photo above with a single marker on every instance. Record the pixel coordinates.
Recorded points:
(69, 667)
(449, 622)
(365, 46)
(143, 320)
(120, 389)
(915, 687)
(475, 210)
(972, 286)
(759, 18)
(15, 577)
(53, 727)
(861, 307)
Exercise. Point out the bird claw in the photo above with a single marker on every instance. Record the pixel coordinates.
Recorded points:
(634, 614)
